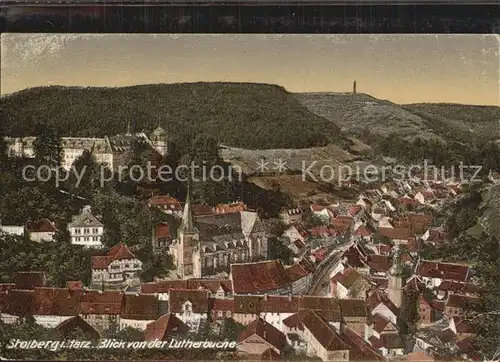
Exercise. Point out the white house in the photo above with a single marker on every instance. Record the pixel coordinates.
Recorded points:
(12, 230)
(41, 230)
(85, 229)
(190, 306)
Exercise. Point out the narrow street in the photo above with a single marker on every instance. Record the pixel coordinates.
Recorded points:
(321, 284)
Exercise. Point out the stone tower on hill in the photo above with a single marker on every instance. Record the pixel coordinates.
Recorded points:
(354, 87)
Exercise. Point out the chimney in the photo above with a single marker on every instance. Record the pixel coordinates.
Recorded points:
(265, 297)
(289, 297)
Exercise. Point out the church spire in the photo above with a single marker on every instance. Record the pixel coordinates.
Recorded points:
(187, 215)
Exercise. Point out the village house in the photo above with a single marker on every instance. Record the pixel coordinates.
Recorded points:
(246, 308)
(221, 309)
(320, 211)
(300, 275)
(119, 265)
(52, 306)
(167, 204)
(396, 235)
(322, 340)
(291, 216)
(235, 206)
(190, 306)
(456, 304)
(434, 273)
(138, 310)
(266, 277)
(259, 336)
(296, 232)
(378, 303)
(85, 229)
(383, 335)
(41, 230)
(350, 284)
(101, 309)
(354, 314)
(165, 328)
(11, 229)
(162, 239)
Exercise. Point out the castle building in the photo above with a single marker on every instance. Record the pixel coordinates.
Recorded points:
(210, 243)
(396, 280)
(110, 151)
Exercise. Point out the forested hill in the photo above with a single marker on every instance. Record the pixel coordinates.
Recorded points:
(247, 115)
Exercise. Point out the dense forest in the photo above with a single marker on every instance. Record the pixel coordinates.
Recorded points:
(247, 115)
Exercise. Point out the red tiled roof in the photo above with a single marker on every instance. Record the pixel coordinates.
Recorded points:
(379, 322)
(376, 298)
(279, 304)
(296, 272)
(387, 340)
(223, 208)
(140, 307)
(118, 252)
(438, 305)
(359, 349)
(168, 201)
(266, 331)
(222, 304)
(199, 209)
(29, 280)
(323, 333)
(101, 302)
(457, 287)
(163, 286)
(56, 301)
(295, 320)
(443, 271)
(18, 302)
(379, 263)
(6, 286)
(354, 209)
(352, 307)
(247, 304)
(162, 231)
(318, 208)
(349, 277)
(41, 226)
(395, 233)
(258, 277)
(198, 299)
(461, 301)
(363, 231)
(164, 327)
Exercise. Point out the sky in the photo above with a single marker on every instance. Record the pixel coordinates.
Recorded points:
(400, 68)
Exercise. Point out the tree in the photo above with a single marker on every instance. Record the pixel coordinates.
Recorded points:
(230, 329)
(277, 250)
(48, 147)
(409, 316)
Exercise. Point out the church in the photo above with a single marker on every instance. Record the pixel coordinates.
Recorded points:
(209, 244)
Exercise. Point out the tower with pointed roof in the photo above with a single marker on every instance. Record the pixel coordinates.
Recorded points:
(396, 280)
(188, 250)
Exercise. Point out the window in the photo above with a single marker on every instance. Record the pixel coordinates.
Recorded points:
(86, 231)
(95, 230)
(78, 231)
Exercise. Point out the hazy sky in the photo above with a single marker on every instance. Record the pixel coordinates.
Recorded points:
(403, 69)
